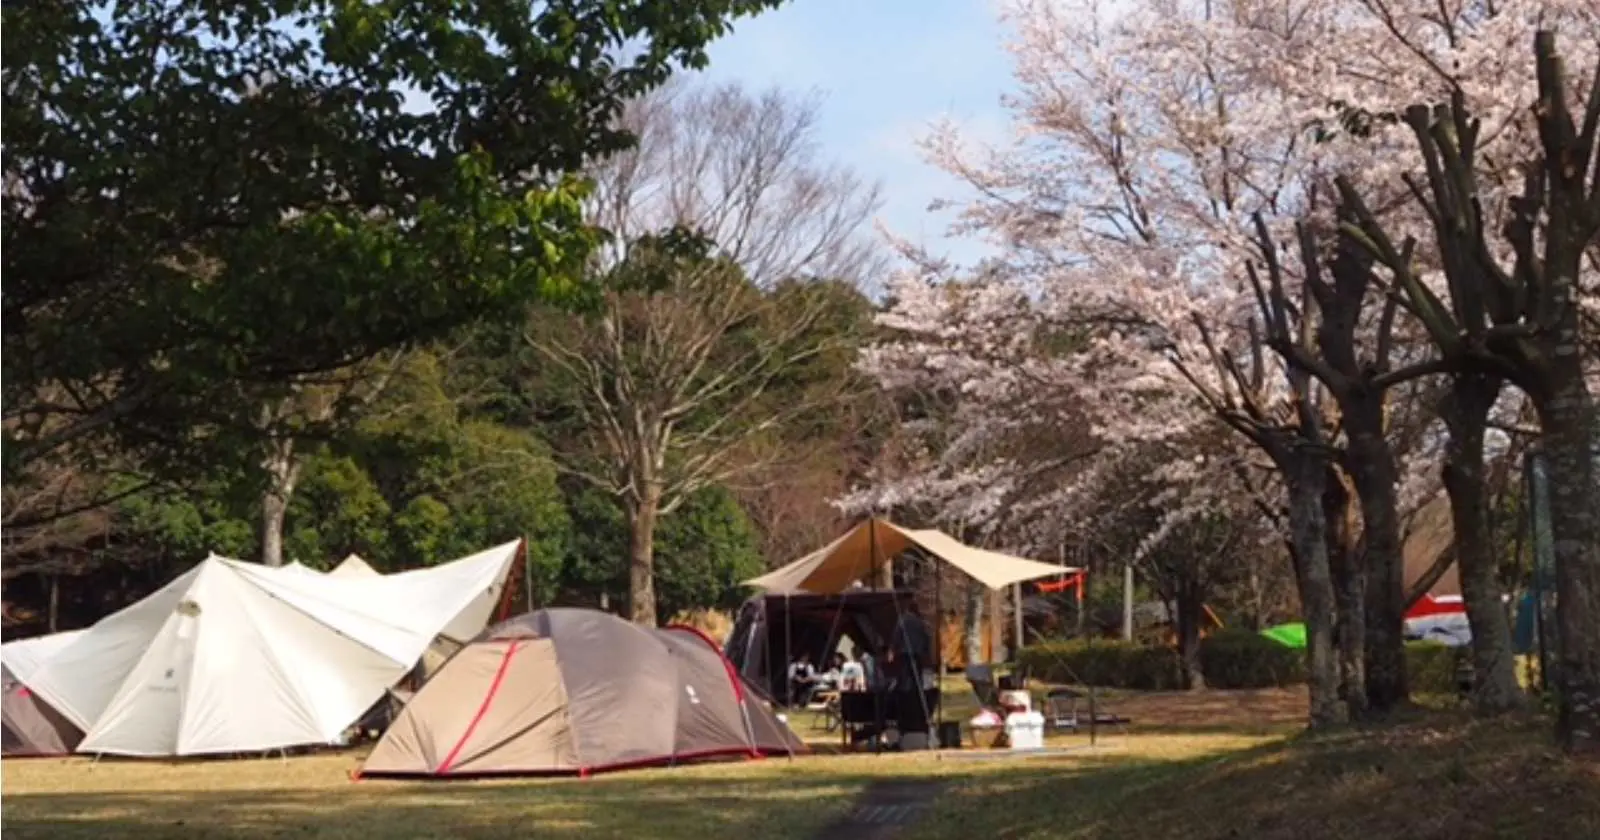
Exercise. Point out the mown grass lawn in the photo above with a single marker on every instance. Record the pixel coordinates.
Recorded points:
(1219, 764)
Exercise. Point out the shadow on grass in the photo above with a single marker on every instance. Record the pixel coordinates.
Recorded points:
(621, 807)
(1414, 779)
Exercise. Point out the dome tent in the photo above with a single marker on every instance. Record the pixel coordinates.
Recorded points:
(573, 691)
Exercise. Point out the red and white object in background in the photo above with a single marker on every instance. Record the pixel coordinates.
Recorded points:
(1439, 618)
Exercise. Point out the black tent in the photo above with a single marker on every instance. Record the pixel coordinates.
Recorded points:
(773, 630)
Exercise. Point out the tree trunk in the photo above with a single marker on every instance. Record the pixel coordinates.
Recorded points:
(1189, 613)
(283, 471)
(1373, 471)
(1567, 420)
(1306, 476)
(976, 593)
(53, 617)
(641, 555)
(1466, 413)
(1349, 582)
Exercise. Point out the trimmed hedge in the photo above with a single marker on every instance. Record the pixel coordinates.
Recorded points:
(1239, 658)
(1431, 667)
(1104, 662)
(1230, 658)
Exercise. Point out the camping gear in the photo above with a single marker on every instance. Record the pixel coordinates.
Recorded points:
(578, 691)
(238, 657)
(1292, 635)
(1025, 730)
(1439, 618)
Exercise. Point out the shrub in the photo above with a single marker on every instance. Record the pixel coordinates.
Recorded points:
(1109, 663)
(714, 623)
(1431, 667)
(1238, 658)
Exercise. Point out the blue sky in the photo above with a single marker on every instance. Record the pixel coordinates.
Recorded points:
(887, 70)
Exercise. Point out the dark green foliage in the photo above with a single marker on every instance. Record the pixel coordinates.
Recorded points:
(1433, 668)
(1230, 658)
(207, 201)
(702, 551)
(1105, 662)
(1238, 658)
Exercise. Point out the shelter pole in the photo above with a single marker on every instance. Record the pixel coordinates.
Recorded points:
(1127, 603)
(788, 654)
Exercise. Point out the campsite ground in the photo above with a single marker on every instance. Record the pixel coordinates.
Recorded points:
(1215, 764)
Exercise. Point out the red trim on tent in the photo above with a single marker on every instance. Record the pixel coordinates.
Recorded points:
(483, 709)
(661, 761)
(733, 679)
(733, 675)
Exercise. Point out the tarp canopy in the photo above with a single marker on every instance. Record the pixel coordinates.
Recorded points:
(837, 566)
(238, 657)
(1292, 635)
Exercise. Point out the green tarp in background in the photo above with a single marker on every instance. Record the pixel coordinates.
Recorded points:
(1289, 635)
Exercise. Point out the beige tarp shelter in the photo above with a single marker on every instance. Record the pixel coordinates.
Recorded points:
(872, 544)
(573, 691)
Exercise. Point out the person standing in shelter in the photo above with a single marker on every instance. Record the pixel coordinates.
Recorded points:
(911, 647)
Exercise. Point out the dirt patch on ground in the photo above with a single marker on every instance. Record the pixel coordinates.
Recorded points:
(1204, 710)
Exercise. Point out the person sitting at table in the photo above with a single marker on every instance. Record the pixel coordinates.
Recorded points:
(852, 675)
(872, 661)
(802, 680)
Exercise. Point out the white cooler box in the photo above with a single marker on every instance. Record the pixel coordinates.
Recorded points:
(1025, 730)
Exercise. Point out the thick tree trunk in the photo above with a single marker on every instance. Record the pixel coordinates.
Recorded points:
(641, 555)
(1568, 422)
(1373, 471)
(1190, 613)
(1466, 413)
(283, 471)
(1306, 477)
(1349, 582)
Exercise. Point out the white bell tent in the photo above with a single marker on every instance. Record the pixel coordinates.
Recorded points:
(237, 657)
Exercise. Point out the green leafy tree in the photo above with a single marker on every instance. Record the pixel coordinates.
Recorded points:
(702, 552)
(205, 203)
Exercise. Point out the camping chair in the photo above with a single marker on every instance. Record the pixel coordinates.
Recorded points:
(859, 713)
(1061, 708)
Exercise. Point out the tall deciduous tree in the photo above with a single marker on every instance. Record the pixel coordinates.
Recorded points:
(1522, 319)
(723, 220)
(200, 197)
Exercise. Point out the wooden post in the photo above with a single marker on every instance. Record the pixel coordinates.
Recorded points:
(1127, 603)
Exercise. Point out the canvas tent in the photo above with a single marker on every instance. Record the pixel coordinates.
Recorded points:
(852, 558)
(31, 726)
(353, 566)
(238, 657)
(573, 691)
